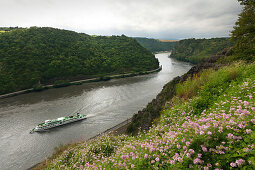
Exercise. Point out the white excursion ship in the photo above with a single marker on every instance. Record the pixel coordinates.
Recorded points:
(48, 124)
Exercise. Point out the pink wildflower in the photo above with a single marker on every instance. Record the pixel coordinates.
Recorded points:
(157, 159)
(239, 162)
(178, 146)
(241, 125)
(152, 161)
(199, 155)
(204, 148)
(239, 110)
(196, 161)
(145, 156)
(220, 129)
(209, 165)
(191, 151)
(246, 103)
(171, 161)
(230, 136)
(232, 164)
(248, 131)
(124, 156)
(209, 133)
(187, 143)
(132, 166)
(202, 132)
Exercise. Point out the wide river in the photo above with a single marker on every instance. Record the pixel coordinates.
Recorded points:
(105, 103)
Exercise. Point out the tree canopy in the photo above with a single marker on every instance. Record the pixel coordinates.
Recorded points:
(30, 56)
(243, 34)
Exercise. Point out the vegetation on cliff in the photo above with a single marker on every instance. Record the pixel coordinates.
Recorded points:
(155, 45)
(32, 56)
(196, 50)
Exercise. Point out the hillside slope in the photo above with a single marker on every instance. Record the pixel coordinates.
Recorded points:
(155, 45)
(43, 55)
(195, 50)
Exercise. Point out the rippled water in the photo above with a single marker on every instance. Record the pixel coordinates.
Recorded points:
(105, 103)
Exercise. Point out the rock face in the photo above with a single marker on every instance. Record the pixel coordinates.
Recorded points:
(144, 118)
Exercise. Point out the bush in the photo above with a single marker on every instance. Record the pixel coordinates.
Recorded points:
(61, 83)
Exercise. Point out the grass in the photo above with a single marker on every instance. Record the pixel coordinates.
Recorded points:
(210, 125)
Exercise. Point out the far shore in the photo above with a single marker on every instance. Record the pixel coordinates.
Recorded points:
(79, 82)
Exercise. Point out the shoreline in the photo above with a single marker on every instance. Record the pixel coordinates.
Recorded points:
(80, 82)
(115, 130)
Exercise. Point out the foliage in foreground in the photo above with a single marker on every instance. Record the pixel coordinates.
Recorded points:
(212, 129)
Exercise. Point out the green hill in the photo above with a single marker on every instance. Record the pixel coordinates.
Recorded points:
(195, 50)
(30, 56)
(155, 45)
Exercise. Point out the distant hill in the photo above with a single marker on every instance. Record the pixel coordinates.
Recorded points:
(168, 40)
(155, 45)
(44, 55)
(195, 50)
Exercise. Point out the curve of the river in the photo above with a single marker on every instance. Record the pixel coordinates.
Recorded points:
(105, 103)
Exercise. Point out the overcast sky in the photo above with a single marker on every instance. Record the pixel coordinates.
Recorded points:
(164, 19)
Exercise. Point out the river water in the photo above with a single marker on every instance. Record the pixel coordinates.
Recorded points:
(105, 103)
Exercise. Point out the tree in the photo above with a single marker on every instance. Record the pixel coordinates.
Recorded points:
(243, 34)
(245, 2)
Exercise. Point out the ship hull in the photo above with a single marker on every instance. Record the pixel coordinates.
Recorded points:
(47, 127)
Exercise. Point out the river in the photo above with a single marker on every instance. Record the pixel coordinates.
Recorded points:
(105, 103)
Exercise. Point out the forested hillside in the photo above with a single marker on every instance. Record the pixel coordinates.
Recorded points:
(155, 45)
(43, 55)
(195, 50)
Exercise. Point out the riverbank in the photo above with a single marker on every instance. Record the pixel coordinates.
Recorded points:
(116, 130)
(79, 82)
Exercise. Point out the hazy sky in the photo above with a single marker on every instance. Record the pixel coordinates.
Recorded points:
(165, 19)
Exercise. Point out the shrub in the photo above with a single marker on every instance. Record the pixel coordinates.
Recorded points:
(61, 83)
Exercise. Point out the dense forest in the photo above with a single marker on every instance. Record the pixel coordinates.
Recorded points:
(30, 56)
(195, 50)
(155, 45)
